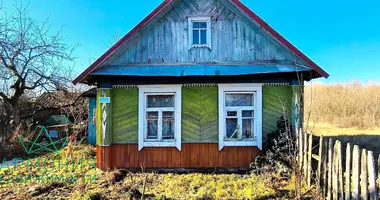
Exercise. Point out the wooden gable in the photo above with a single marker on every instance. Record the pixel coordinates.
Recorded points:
(235, 39)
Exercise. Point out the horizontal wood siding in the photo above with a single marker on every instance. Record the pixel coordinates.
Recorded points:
(191, 156)
(233, 39)
(200, 114)
(125, 115)
(277, 100)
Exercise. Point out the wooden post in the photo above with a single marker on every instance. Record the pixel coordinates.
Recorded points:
(335, 171)
(355, 173)
(305, 155)
(300, 149)
(348, 172)
(325, 167)
(363, 176)
(329, 164)
(340, 171)
(378, 173)
(319, 177)
(371, 177)
(309, 157)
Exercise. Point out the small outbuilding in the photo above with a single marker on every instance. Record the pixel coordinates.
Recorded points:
(196, 84)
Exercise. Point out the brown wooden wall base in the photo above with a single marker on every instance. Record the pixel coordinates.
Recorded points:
(199, 155)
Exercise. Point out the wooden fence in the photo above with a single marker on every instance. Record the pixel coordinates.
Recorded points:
(322, 161)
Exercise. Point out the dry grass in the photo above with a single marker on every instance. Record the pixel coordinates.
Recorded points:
(117, 184)
(345, 105)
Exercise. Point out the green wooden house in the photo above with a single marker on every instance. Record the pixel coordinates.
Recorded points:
(197, 83)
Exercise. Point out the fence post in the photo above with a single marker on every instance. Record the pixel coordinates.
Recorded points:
(335, 171)
(300, 149)
(319, 177)
(348, 172)
(340, 171)
(329, 186)
(378, 173)
(355, 172)
(363, 176)
(371, 177)
(305, 154)
(309, 157)
(325, 167)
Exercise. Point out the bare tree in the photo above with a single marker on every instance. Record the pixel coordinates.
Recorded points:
(31, 58)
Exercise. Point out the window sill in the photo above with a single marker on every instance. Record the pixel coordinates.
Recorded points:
(251, 143)
(161, 144)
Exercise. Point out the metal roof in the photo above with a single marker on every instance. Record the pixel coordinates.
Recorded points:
(197, 70)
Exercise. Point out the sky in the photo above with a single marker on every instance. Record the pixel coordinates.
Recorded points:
(342, 36)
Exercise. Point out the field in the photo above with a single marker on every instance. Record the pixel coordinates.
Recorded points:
(348, 111)
(118, 184)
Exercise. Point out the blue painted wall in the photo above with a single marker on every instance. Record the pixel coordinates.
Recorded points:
(91, 121)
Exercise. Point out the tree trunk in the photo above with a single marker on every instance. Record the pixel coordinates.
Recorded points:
(15, 115)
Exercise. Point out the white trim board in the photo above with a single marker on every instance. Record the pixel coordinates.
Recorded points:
(146, 89)
(245, 87)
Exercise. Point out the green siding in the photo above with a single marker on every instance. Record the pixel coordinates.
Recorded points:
(277, 100)
(125, 115)
(200, 114)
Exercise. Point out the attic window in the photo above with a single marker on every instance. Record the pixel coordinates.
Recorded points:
(200, 32)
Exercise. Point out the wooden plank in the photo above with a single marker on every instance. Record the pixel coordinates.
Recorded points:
(204, 155)
(319, 176)
(309, 160)
(305, 155)
(340, 171)
(186, 155)
(232, 156)
(378, 173)
(223, 157)
(325, 168)
(355, 172)
(330, 161)
(195, 155)
(335, 171)
(371, 176)
(363, 176)
(348, 172)
(300, 149)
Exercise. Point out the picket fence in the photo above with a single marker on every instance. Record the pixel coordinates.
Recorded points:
(321, 164)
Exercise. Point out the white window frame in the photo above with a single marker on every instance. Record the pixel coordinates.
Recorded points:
(208, 34)
(144, 91)
(255, 88)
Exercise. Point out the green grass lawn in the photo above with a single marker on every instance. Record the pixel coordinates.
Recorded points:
(87, 182)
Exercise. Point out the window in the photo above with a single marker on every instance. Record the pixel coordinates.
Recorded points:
(160, 116)
(240, 111)
(200, 32)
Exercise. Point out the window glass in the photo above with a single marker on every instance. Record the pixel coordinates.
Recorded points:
(239, 100)
(247, 131)
(231, 114)
(203, 37)
(168, 125)
(160, 101)
(195, 36)
(232, 128)
(152, 125)
(247, 113)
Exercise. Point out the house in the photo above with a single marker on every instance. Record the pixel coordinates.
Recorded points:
(196, 84)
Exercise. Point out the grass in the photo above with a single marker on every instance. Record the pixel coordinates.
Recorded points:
(121, 184)
(345, 105)
(326, 129)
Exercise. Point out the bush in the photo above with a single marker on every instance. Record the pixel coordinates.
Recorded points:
(279, 150)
